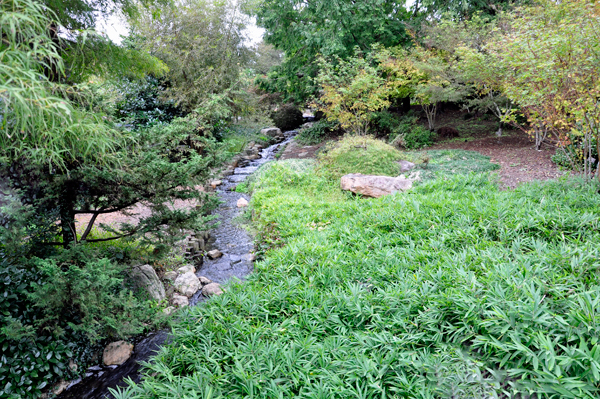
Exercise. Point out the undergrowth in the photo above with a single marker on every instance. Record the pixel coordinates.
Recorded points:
(452, 290)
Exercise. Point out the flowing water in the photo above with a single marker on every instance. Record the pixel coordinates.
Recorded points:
(235, 244)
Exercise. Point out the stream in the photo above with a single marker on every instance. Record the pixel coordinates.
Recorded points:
(236, 245)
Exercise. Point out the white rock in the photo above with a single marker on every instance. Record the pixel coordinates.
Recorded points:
(374, 186)
(271, 132)
(180, 300)
(116, 353)
(170, 276)
(215, 183)
(242, 203)
(186, 269)
(212, 289)
(170, 309)
(405, 166)
(187, 284)
(204, 280)
(250, 257)
(214, 254)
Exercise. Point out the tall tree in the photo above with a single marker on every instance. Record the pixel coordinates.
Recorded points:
(303, 30)
(202, 43)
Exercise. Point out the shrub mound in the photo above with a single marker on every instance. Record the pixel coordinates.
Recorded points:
(287, 117)
(316, 133)
(360, 154)
(454, 289)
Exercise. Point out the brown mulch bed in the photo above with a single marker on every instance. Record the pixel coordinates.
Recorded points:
(518, 159)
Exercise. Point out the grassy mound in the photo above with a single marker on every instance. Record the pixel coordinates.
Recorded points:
(453, 289)
(360, 154)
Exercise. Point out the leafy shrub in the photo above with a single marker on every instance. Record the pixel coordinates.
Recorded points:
(385, 122)
(316, 133)
(360, 154)
(573, 154)
(410, 135)
(140, 102)
(57, 310)
(287, 117)
(403, 131)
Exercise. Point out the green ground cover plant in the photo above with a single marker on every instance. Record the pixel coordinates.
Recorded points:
(452, 289)
(442, 163)
(359, 154)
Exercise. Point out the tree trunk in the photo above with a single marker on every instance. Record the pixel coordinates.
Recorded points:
(405, 104)
(67, 214)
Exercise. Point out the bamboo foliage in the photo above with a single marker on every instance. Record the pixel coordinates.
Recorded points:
(37, 122)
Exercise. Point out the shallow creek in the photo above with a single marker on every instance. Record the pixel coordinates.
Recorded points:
(236, 245)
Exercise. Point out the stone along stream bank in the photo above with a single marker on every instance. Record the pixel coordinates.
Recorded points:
(233, 259)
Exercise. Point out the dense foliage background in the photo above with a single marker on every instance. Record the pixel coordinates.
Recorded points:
(355, 303)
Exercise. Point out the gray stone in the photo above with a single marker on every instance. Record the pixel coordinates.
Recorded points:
(116, 353)
(186, 269)
(170, 276)
(249, 257)
(187, 284)
(214, 254)
(374, 186)
(180, 300)
(170, 309)
(271, 132)
(204, 280)
(405, 166)
(212, 289)
(144, 277)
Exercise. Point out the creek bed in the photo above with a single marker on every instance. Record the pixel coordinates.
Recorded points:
(236, 245)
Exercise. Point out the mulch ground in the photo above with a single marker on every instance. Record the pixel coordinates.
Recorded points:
(518, 159)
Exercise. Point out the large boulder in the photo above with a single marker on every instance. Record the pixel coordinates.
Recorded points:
(116, 353)
(187, 284)
(274, 133)
(144, 277)
(374, 186)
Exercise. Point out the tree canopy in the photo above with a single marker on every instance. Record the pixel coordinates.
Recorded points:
(303, 30)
